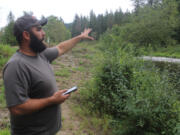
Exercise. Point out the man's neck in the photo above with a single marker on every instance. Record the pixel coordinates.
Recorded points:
(27, 51)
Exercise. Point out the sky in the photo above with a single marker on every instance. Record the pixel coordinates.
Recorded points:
(66, 9)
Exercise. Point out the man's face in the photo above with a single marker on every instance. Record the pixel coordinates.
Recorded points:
(37, 36)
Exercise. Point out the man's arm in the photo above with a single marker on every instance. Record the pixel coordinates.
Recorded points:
(33, 105)
(65, 46)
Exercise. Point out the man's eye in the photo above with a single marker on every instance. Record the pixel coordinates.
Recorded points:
(39, 28)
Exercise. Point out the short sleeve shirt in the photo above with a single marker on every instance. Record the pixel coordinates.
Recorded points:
(32, 77)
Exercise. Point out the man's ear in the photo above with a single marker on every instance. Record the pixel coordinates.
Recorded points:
(26, 35)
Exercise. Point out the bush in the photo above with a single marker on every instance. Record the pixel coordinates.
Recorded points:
(139, 98)
(5, 132)
(173, 74)
(5, 52)
(153, 27)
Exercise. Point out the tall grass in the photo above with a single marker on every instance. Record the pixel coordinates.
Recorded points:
(5, 132)
(169, 51)
(5, 52)
(2, 98)
(140, 99)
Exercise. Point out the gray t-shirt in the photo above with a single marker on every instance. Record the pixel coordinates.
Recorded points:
(32, 77)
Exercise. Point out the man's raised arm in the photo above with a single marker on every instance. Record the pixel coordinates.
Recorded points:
(65, 46)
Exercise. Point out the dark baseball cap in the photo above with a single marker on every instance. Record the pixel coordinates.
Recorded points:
(25, 22)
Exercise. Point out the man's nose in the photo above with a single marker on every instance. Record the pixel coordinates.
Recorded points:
(43, 33)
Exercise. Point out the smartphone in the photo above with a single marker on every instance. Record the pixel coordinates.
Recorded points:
(70, 90)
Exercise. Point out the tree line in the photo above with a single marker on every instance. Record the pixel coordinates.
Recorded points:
(55, 30)
(99, 23)
(151, 23)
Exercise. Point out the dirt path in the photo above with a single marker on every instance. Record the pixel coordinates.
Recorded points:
(77, 72)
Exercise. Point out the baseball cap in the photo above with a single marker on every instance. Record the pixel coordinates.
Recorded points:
(27, 21)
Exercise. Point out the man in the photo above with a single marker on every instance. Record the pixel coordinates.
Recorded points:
(32, 96)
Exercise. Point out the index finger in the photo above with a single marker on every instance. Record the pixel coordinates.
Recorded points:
(62, 91)
(90, 38)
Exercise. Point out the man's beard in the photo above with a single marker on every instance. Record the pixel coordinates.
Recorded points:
(36, 45)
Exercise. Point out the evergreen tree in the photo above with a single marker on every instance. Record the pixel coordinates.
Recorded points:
(100, 23)
(76, 26)
(152, 26)
(7, 36)
(137, 5)
(101, 28)
(92, 20)
(176, 35)
(110, 19)
(118, 17)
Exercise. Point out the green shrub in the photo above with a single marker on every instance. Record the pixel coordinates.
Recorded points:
(2, 97)
(5, 132)
(5, 52)
(150, 27)
(140, 99)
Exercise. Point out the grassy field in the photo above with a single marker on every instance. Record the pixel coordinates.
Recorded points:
(5, 132)
(5, 53)
(170, 51)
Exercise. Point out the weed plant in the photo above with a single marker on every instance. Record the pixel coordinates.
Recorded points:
(2, 98)
(5, 52)
(169, 51)
(5, 132)
(140, 99)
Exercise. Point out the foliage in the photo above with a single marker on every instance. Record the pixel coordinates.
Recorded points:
(2, 97)
(141, 99)
(63, 73)
(169, 51)
(151, 27)
(78, 25)
(99, 23)
(56, 30)
(173, 74)
(5, 132)
(138, 97)
(5, 52)
(6, 36)
(153, 22)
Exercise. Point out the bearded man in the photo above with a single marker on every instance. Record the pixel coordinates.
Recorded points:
(32, 96)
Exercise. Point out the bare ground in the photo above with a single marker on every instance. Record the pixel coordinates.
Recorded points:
(70, 122)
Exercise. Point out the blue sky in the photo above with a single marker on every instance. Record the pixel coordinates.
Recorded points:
(66, 9)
